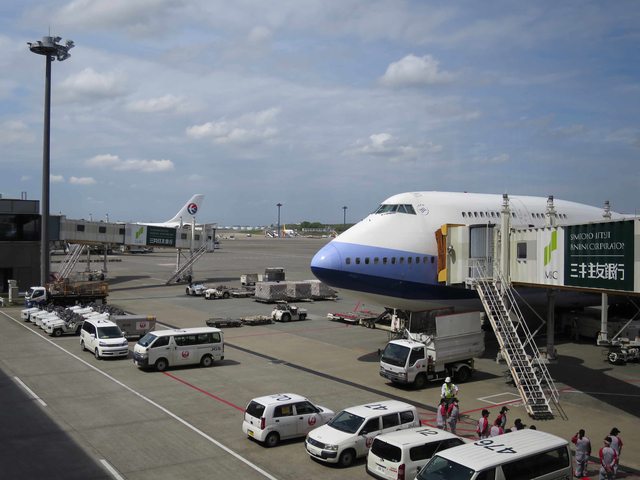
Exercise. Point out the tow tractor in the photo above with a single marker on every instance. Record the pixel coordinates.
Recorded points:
(285, 313)
(195, 288)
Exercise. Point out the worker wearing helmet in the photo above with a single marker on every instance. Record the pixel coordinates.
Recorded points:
(449, 390)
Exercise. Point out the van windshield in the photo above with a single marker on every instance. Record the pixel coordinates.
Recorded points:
(346, 422)
(386, 451)
(109, 332)
(442, 469)
(147, 340)
(395, 354)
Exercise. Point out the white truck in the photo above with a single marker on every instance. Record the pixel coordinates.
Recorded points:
(448, 352)
(285, 313)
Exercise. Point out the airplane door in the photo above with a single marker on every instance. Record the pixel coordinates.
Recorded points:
(481, 248)
(522, 214)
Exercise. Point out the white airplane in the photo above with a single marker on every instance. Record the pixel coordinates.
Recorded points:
(362, 260)
(184, 216)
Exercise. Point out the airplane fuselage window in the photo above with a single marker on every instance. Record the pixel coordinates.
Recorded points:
(348, 261)
(384, 260)
(482, 214)
(366, 261)
(401, 260)
(393, 260)
(409, 260)
(433, 260)
(469, 214)
(357, 260)
(475, 214)
(417, 259)
(464, 215)
(376, 260)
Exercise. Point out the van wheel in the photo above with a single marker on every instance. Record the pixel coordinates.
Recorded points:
(346, 458)
(420, 382)
(161, 365)
(463, 374)
(96, 352)
(272, 440)
(225, 295)
(303, 317)
(186, 290)
(286, 317)
(206, 361)
(82, 347)
(57, 332)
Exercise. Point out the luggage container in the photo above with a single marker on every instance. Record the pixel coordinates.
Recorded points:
(134, 325)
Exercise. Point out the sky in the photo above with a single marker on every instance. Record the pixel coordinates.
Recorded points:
(319, 104)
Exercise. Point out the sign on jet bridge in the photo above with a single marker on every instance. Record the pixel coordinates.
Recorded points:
(600, 255)
(161, 236)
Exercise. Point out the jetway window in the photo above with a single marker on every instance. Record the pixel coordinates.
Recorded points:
(522, 251)
(183, 236)
(121, 231)
(376, 261)
(366, 261)
(357, 260)
(102, 229)
(348, 261)
(79, 228)
(197, 238)
(385, 260)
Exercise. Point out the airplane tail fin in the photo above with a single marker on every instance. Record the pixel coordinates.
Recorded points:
(189, 211)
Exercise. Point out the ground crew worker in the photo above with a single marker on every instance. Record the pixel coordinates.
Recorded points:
(483, 425)
(442, 415)
(583, 450)
(518, 425)
(616, 444)
(496, 429)
(608, 461)
(454, 414)
(449, 390)
(502, 418)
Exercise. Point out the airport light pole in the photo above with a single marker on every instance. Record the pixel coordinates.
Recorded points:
(51, 50)
(344, 220)
(279, 205)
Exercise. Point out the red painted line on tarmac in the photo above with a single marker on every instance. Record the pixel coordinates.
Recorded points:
(282, 333)
(206, 393)
(493, 406)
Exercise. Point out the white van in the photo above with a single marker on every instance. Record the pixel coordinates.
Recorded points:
(349, 434)
(187, 346)
(103, 338)
(278, 417)
(525, 455)
(401, 455)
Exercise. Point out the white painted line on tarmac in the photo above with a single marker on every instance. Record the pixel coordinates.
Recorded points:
(148, 400)
(601, 393)
(33, 394)
(112, 470)
(486, 399)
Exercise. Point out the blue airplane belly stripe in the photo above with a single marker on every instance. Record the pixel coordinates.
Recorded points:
(390, 287)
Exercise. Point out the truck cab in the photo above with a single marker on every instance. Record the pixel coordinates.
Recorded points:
(35, 296)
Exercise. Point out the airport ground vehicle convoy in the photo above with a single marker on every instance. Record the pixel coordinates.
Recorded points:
(285, 313)
(62, 293)
(447, 351)
(195, 288)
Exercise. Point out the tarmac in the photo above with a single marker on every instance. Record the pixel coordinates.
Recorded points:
(67, 415)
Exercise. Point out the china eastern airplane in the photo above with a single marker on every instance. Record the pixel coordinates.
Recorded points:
(184, 216)
(362, 260)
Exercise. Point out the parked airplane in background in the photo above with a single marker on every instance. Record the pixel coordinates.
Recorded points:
(184, 216)
(390, 258)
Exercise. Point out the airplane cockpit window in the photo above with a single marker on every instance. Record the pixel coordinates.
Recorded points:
(396, 208)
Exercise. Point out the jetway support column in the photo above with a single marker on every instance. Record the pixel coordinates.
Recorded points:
(551, 323)
(603, 336)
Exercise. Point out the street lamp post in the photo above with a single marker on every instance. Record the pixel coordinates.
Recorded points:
(51, 50)
(345, 217)
(279, 205)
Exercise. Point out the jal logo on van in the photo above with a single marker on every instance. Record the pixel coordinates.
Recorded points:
(143, 325)
(368, 442)
(312, 421)
(185, 354)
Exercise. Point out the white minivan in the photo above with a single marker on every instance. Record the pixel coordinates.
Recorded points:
(401, 455)
(103, 338)
(187, 346)
(525, 455)
(350, 433)
(285, 415)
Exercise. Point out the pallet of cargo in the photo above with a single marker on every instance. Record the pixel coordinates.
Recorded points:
(256, 320)
(224, 322)
(245, 293)
(353, 317)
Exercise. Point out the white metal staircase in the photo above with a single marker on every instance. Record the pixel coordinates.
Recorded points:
(69, 261)
(182, 269)
(527, 366)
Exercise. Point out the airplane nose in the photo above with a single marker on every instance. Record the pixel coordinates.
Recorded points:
(327, 259)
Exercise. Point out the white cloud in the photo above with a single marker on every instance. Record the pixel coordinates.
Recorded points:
(56, 178)
(16, 131)
(88, 84)
(500, 158)
(82, 181)
(195, 177)
(567, 131)
(26, 178)
(260, 35)
(248, 128)
(167, 103)
(114, 162)
(386, 146)
(416, 71)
